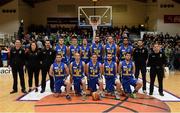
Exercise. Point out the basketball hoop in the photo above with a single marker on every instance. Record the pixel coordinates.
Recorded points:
(94, 21)
(94, 24)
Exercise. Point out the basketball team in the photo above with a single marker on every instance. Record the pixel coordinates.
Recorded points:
(117, 66)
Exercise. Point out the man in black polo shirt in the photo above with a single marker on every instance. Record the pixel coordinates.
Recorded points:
(156, 61)
(140, 56)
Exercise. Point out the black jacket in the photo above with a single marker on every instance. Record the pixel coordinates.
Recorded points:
(157, 59)
(17, 57)
(33, 59)
(140, 56)
(47, 57)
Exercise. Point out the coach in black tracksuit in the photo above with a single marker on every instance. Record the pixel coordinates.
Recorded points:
(156, 61)
(140, 56)
(47, 58)
(33, 65)
(17, 62)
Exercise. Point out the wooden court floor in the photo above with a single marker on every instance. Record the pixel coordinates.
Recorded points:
(8, 102)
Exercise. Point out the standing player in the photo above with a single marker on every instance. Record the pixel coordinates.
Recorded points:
(77, 69)
(127, 69)
(97, 48)
(85, 51)
(61, 49)
(156, 61)
(111, 47)
(94, 74)
(140, 56)
(17, 62)
(60, 72)
(124, 48)
(111, 77)
(73, 48)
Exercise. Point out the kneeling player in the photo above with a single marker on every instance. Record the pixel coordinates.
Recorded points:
(111, 79)
(60, 72)
(93, 72)
(77, 69)
(127, 69)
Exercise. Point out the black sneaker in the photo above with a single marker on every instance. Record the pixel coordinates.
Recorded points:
(161, 94)
(14, 91)
(36, 89)
(30, 90)
(23, 91)
(150, 93)
(68, 97)
(42, 91)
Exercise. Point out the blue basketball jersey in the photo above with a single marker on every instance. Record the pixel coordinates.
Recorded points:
(94, 70)
(109, 70)
(59, 70)
(74, 49)
(62, 51)
(78, 69)
(111, 49)
(97, 49)
(127, 69)
(85, 53)
(124, 50)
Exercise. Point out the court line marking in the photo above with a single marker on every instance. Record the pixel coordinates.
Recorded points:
(35, 96)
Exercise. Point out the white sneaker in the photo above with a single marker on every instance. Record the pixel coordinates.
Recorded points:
(144, 91)
(102, 94)
(117, 97)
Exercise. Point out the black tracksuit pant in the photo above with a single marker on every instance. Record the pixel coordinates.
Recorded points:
(159, 72)
(143, 73)
(15, 71)
(33, 71)
(45, 71)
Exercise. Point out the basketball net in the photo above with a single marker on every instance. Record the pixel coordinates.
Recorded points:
(94, 24)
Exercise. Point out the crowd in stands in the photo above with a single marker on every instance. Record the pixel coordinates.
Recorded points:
(170, 44)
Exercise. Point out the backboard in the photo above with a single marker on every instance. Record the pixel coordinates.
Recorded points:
(88, 14)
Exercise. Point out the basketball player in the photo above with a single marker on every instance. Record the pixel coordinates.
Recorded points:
(60, 72)
(94, 74)
(77, 71)
(124, 48)
(127, 69)
(85, 51)
(62, 49)
(111, 47)
(73, 48)
(97, 48)
(111, 79)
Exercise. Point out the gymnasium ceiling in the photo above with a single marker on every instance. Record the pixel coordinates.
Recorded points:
(32, 2)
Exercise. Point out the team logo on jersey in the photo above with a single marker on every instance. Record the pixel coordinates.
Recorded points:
(124, 66)
(160, 55)
(91, 67)
(55, 67)
(20, 52)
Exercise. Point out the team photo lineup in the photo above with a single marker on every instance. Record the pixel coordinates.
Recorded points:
(85, 66)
